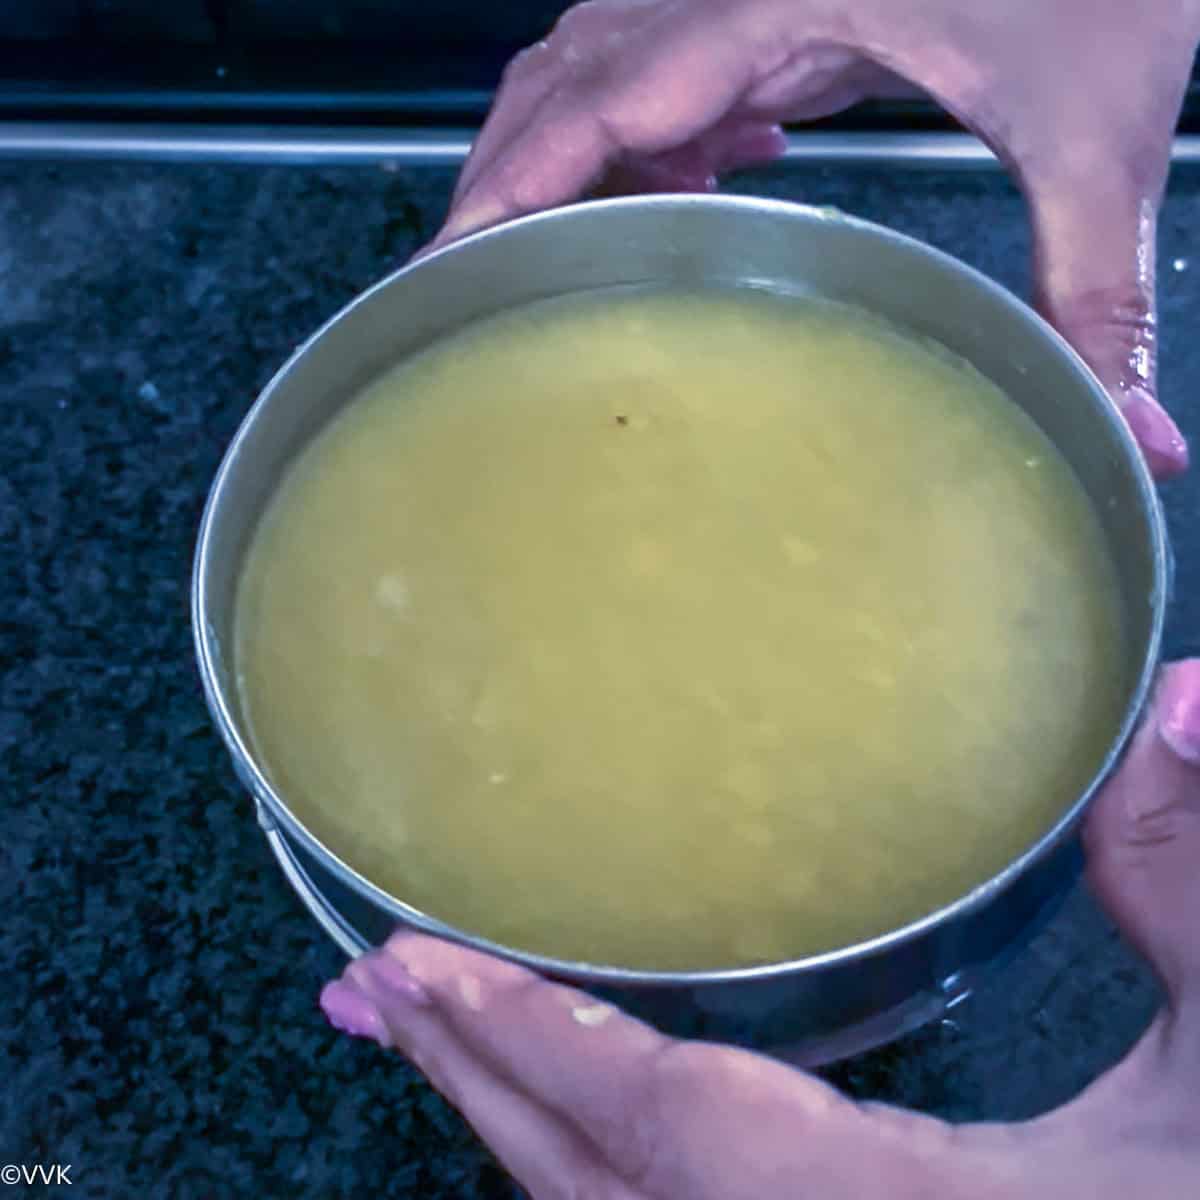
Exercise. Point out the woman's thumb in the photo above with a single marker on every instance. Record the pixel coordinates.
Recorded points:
(1143, 837)
(1094, 251)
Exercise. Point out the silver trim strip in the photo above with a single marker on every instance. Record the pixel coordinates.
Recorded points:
(331, 146)
(299, 145)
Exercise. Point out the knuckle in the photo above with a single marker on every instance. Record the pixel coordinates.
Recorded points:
(628, 1146)
(1158, 826)
(589, 36)
(580, 19)
(1121, 310)
(1115, 328)
(526, 63)
(655, 1094)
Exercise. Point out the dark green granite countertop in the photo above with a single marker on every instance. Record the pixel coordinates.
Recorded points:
(158, 1020)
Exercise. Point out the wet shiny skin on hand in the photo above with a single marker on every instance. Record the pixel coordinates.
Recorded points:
(680, 630)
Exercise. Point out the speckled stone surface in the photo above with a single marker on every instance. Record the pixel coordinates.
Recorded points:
(158, 1021)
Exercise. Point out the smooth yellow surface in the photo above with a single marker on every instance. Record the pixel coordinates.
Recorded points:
(680, 630)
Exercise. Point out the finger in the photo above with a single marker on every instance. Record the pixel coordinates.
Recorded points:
(529, 79)
(739, 141)
(1094, 247)
(659, 1111)
(733, 145)
(539, 1150)
(660, 93)
(750, 144)
(1143, 836)
(526, 81)
(810, 86)
(534, 72)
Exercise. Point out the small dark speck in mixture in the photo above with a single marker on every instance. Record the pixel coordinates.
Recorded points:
(622, 419)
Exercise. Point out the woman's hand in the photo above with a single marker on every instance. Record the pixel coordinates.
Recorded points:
(578, 1100)
(1078, 98)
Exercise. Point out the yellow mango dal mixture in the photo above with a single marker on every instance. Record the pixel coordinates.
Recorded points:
(680, 629)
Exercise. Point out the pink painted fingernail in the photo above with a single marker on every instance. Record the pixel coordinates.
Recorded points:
(351, 1012)
(391, 975)
(1179, 710)
(1164, 446)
